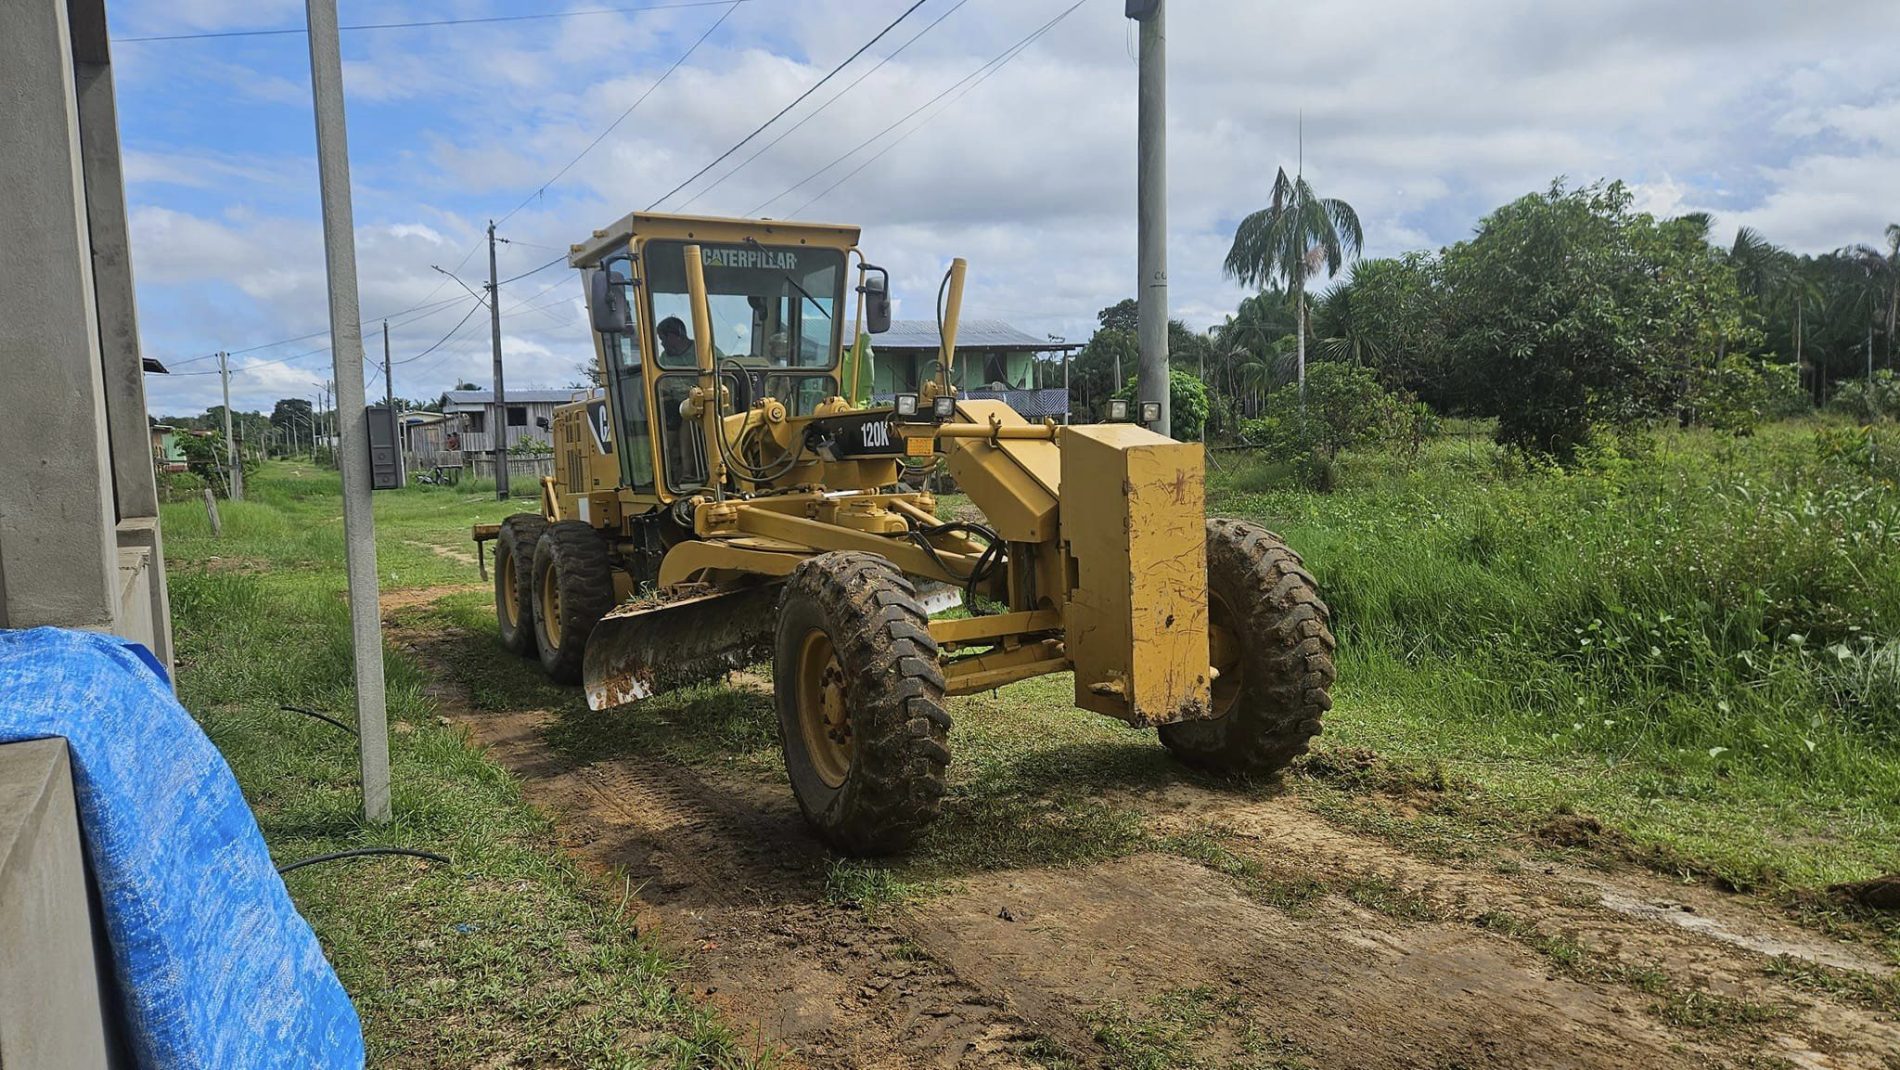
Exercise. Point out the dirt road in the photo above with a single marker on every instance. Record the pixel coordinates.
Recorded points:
(1248, 931)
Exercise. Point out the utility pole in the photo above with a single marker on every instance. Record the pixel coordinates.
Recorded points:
(346, 356)
(1152, 213)
(501, 400)
(234, 484)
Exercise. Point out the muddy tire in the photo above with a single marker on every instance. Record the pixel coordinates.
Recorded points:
(1277, 665)
(514, 594)
(860, 702)
(573, 589)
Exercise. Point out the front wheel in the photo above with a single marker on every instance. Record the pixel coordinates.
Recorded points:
(860, 702)
(1273, 649)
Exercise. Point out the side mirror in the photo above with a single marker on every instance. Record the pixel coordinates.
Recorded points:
(607, 301)
(876, 295)
(541, 422)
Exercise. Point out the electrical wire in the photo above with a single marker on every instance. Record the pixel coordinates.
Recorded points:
(425, 23)
(979, 74)
(814, 113)
(795, 102)
(359, 852)
(472, 309)
(543, 188)
(319, 716)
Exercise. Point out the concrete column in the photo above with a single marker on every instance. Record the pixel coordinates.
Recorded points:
(133, 480)
(52, 1009)
(58, 548)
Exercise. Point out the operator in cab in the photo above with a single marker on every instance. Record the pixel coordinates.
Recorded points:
(675, 347)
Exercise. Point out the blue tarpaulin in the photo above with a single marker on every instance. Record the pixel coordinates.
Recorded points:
(214, 966)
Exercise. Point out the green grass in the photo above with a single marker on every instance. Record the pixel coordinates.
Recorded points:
(1694, 642)
(509, 955)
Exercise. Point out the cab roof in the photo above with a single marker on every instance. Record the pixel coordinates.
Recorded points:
(605, 242)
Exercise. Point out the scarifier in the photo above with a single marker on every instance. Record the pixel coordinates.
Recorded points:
(729, 496)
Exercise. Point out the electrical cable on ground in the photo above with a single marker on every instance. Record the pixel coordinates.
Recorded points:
(360, 852)
(319, 716)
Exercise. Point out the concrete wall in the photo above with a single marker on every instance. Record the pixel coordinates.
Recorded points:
(52, 949)
(78, 515)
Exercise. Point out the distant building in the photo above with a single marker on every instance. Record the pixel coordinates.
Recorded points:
(993, 360)
(167, 453)
(472, 417)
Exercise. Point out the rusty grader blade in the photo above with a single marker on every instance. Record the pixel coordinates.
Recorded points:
(665, 642)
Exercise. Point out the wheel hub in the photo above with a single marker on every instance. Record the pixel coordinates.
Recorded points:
(824, 713)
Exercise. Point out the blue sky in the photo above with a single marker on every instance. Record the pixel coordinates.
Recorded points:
(1423, 115)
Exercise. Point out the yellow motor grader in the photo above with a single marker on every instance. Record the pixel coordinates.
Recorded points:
(724, 502)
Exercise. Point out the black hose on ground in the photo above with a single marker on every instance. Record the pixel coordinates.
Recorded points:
(359, 852)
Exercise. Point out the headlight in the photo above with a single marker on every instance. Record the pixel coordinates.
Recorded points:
(1117, 411)
(1151, 412)
(944, 406)
(906, 404)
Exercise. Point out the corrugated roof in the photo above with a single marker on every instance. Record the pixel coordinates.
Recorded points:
(971, 334)
(515, 397)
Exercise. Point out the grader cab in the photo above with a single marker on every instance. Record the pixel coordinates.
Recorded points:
(727, 502)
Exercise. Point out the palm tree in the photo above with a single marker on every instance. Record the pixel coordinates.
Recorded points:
(1294, 237)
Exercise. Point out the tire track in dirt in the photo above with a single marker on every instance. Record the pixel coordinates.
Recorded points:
(1009, 964)
(727, 879)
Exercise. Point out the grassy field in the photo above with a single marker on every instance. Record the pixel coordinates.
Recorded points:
(1697, 642)
(508, 956)
(1688, 652)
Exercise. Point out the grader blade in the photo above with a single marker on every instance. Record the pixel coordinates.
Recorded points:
(654, 645)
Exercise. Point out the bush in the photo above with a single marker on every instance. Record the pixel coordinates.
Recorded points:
(1345, 407)
(1869, 402)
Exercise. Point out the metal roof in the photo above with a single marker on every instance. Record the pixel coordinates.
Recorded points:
(971, 334)
(515, 397)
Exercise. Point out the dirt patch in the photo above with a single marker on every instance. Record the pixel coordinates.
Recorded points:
(453, 553)
(1254, 933)
(722, 873)
(411, 597)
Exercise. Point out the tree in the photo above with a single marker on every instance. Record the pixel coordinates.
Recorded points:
(1575, 312)
(1295, 236)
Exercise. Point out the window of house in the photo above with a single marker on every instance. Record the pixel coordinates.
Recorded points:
(477, 421)
(517, 416)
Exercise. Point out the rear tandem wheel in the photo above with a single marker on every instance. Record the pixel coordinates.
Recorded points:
(573, 589)
(514, 563)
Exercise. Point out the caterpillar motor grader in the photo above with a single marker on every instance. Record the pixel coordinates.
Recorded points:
(726, 502)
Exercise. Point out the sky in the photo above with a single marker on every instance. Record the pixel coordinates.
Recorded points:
(1423, 115)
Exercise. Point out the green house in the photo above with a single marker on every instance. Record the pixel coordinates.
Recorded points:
(994, 360)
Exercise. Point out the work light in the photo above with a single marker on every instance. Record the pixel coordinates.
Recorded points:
(906, 404)
(1117, 411)
(1151, 412)
(945, 406)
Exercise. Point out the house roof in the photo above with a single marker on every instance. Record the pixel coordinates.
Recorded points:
(471, 398)
(971, 334)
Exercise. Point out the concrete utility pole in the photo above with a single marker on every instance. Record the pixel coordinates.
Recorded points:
(346, 356)
(1152, 214)
(235, 484)
(501, 400)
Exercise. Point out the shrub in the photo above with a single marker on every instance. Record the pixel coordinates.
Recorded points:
(1187, 404)
(1869, 402)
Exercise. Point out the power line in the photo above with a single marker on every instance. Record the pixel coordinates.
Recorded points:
(814, 113)
(429, 22)
(543, 188)
(472, 309)
(980, 74)
(562, 259)
(795, 102)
